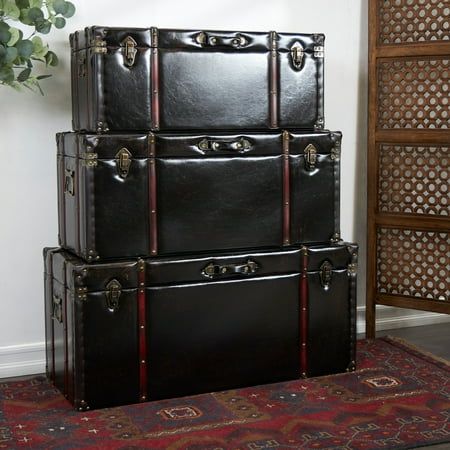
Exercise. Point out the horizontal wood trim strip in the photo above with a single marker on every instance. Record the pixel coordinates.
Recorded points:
(413, 221)
(410, 136)
(423, 304)
(411, 50)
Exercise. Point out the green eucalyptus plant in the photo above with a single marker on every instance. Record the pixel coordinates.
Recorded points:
(19, 53)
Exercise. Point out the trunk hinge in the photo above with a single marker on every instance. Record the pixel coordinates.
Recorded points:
(352, 269)
(336, 151)
(90, 159)
(98, 46)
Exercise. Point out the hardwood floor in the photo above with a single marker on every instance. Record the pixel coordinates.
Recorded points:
(431, 338)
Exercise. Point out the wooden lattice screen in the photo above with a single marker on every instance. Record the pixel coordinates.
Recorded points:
(408, 156)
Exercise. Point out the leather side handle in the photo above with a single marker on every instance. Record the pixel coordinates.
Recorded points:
(206, 40)
(240, 145)
(212, 270)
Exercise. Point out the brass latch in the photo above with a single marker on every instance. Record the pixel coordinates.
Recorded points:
(297, 54)
(57, 313)
(326, 271)
(113, 292)
(129, 51)
(310, 157)
(123, 162)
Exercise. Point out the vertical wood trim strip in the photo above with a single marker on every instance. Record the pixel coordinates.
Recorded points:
(50, 268)
(155, 79)
(273, 83)
(143, 363)
(65, 331)
(152, 187)
(62, 193)
(371, 171)
(304, 314)
(286, 190)
(77, 189)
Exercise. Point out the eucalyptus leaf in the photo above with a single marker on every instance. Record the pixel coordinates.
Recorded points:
(11, 10)
(10, 55)
(60, 6)
(51, 59)
(70, 11)
(36, 3)
(35, 14)
(5, 36)
(15, 36)
(42, 77)
(43, 26)
(6, 74)
(39, 58)
(24, 16)
(23, 4)
(24, 75)
(60, 22)
(25, 48)
(38, 44)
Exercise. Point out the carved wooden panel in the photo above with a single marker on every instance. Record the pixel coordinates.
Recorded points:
(413, 263)
(408, 175)
(406, 21)
(414, 93)
(414, 179)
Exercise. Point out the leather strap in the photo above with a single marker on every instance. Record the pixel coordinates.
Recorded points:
(304, 314)
(143, 365)
(286, 190)
(273, 84)
(152, 186)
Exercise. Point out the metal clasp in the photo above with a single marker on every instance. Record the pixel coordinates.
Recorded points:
(326, 272)
(57, 309)
(113, 292)
(69, 184)
(297, 53)
(310, 157)
(123, 162)
(129, 51)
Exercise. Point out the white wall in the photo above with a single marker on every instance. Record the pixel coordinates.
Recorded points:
(29, 123)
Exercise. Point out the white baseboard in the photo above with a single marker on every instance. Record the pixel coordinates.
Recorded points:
(388, 318)
(29, 359)
(23, 359)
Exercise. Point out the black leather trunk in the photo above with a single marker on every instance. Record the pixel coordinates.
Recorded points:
(141, 330)
(160, 79)
(130, 195)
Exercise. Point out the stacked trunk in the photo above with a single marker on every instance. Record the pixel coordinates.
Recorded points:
(198, 218)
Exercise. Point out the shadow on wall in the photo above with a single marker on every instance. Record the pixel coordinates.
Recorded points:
(360, 207)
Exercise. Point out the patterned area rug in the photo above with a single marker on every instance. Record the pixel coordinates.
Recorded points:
(398, 398)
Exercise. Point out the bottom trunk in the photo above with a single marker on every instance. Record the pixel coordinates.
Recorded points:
(140, 330)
